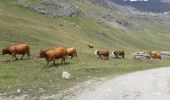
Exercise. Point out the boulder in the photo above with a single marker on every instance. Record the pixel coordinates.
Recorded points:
(66, 75)
(165, 54)
(141, 55)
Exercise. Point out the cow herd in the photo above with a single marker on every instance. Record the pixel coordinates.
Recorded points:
(105, 53)
(49, 54)
(62, 53)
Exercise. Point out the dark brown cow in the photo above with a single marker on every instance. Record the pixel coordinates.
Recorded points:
(155, 54)
(71, 52)
(102, 53)
(17, 49)
(119, 53)
(52, 54)
(90, 45)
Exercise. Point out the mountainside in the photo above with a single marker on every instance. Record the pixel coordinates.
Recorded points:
(157, 6)
(75, 23)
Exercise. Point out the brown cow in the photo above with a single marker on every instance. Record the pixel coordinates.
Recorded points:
(17, 49)
(155, 54)
(71, 52)
(90, 45)
(104, 53)
(118, 53)
(52, 54)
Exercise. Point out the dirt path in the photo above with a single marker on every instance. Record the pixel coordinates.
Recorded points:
(151, 84)
(144, 85)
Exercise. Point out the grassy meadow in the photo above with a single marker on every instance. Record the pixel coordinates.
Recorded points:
(22, 25)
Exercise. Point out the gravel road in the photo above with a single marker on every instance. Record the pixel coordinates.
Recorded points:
(143, 85)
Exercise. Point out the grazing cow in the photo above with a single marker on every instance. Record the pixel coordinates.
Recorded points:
(104, 53)
(52, 54)
(90, 45)
(119, 53)
(17, 49)
(155, 54)
(71, 52)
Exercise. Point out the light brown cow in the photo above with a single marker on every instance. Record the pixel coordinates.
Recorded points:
(52, 54)
(16, 49)
(104, 53)
(71, 52)
(155, 54)
(90, 45)
(118, 53)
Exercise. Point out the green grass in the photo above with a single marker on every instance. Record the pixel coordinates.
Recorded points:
(21, 25)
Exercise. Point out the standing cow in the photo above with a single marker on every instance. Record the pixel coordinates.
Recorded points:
(102, 53)
(71, 52)
(90, 45)
(118, 53)
(155, 54)
(17, 49)
(52, 54)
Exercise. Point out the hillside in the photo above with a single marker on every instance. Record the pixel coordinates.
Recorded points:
(75, 23)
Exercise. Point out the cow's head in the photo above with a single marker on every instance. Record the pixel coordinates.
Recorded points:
(4, 51)
(90, 45)
(150, 51)
(42, 54)
(96, 52)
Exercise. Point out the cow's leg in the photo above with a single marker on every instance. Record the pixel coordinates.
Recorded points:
(61, 61)
(71, 56)
(64, 60)
(28, 53)
(66, 57)
(47, 64)
(116, 56)
(100, 57)
(22, 56)
(123, 56)
(12, 58)
(107, 57)
(48, 60)
(54, 62)
(14, 55)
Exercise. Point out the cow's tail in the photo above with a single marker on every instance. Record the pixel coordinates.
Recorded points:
(28, 51)
(65, 56)
(75, 54)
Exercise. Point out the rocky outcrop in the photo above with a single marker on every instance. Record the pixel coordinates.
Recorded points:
(141, 56)
(39, 8)
(165, 54)
(104, 3)
(61, 9)
(52, 8)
